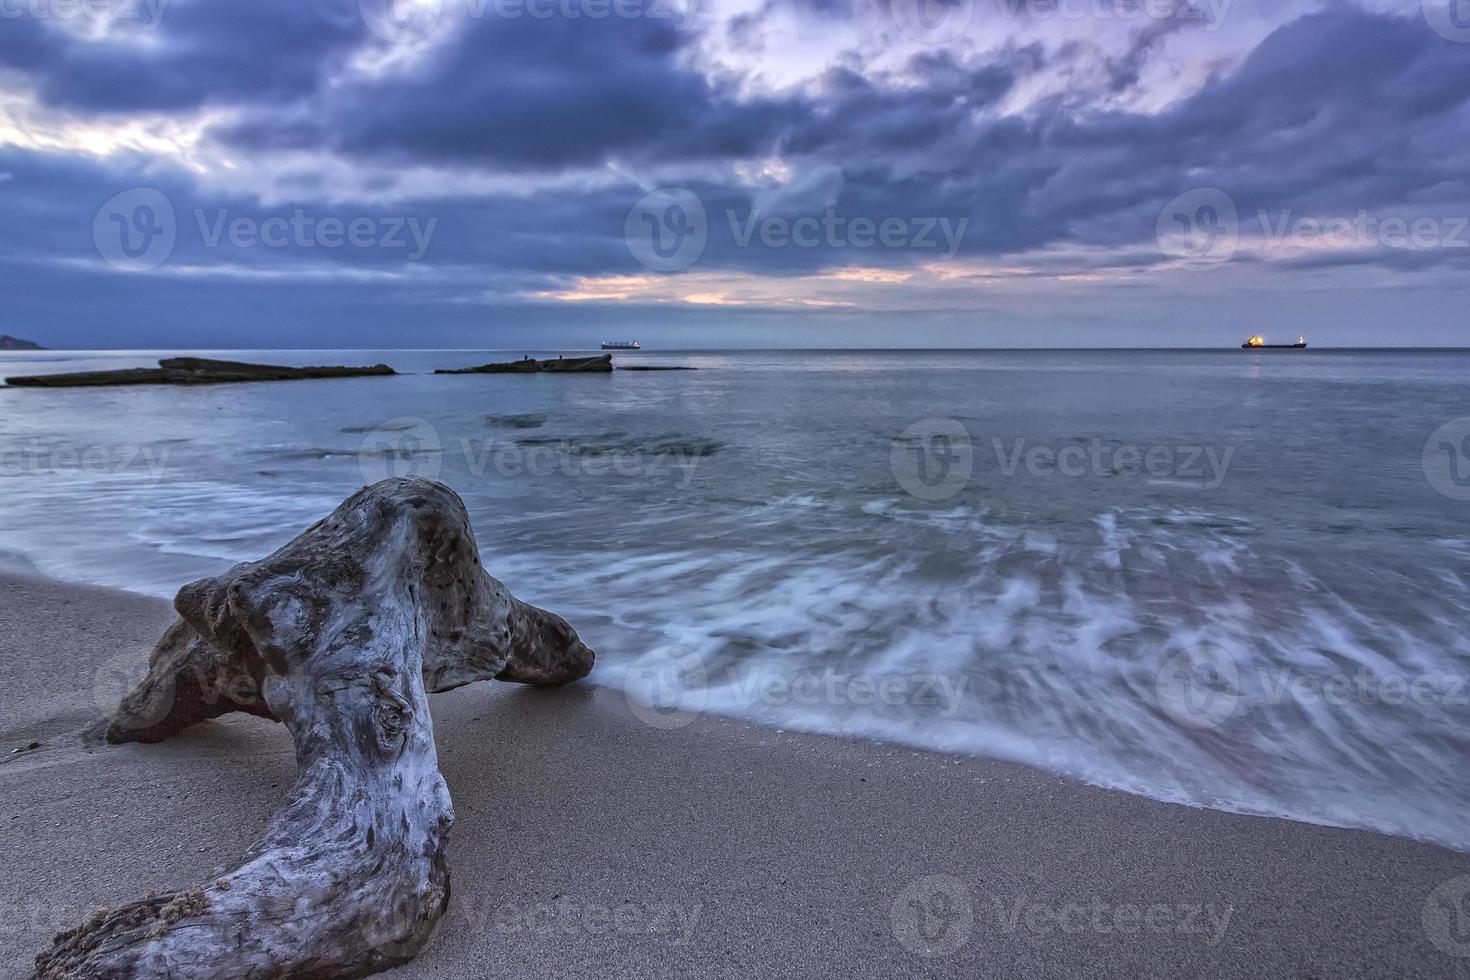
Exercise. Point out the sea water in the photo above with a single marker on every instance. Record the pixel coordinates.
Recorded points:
(1225, 578)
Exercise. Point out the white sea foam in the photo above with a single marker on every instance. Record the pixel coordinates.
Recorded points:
(791, 561)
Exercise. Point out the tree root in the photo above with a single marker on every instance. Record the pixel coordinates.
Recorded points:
(339, 635)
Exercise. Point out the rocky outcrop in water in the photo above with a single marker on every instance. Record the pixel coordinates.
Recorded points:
(340, 635)
(193, 371)
(565, 365)
(8, 342)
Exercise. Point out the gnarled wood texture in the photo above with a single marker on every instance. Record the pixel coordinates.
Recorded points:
(339, 635)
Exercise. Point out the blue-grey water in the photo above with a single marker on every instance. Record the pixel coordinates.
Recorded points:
(1233, 579)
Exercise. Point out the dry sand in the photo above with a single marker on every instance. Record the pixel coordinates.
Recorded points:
(591, 844)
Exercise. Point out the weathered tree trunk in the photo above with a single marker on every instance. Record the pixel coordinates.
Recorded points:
(339, 635)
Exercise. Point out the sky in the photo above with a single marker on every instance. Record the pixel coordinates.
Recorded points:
(734, 173)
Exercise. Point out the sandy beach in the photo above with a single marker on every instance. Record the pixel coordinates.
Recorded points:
(666, 489)
(589, 843)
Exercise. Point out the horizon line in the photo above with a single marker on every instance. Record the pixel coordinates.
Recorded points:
(647, 350)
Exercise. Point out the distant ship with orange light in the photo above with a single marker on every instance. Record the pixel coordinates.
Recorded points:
(1259, 343)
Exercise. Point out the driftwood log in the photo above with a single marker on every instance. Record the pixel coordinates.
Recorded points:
(340, 635)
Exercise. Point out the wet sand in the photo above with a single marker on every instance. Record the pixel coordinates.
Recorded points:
(590, 843)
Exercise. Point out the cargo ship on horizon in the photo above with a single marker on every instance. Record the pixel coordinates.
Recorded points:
(621, 345)
(1258, 342)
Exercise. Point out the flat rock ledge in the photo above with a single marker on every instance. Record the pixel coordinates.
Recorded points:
(193, 371)
(596, 364)
(340, 635)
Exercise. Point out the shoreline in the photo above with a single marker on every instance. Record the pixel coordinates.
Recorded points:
(587, 840)
(14, 565)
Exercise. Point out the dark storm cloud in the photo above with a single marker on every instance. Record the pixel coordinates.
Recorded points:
(185, 54)
(483, 253)
(1331, 114)
(525, 93)
(51, 201)
(856, 114)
